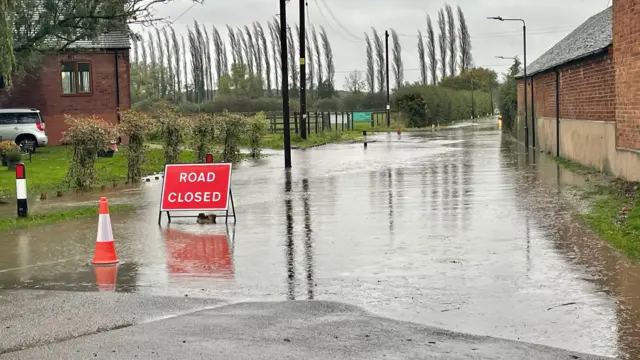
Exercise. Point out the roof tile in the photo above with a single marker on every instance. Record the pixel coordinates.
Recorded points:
(593, 36)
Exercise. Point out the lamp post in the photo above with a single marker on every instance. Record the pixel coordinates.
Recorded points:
(524, 41)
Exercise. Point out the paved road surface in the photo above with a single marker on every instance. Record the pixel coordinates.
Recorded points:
(455, 229)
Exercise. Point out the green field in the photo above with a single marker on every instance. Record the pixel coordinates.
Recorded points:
(47, 171)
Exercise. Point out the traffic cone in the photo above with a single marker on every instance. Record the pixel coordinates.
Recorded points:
(106, 276)
(105, 246)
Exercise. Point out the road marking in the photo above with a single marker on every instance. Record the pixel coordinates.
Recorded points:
(192, 311)
(40, 264)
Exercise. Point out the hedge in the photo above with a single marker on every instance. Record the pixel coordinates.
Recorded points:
(425, 105)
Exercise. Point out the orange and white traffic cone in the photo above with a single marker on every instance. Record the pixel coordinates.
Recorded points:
(105, 246)
(106, 276)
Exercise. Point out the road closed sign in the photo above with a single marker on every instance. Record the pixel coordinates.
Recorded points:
(196, 187)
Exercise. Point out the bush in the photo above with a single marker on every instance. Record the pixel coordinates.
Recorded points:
(203, 132)
(258, 128)
(425, 105)
(86, 136)
(7, 146)
(509, 103)
(229, 130)
(172, 127)
(135, 126)
(14, 156)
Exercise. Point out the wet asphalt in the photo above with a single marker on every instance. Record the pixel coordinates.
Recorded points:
(456, 229)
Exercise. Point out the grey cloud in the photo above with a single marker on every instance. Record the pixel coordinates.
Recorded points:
(548, 21)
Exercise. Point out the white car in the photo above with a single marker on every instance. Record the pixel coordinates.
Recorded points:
(21, 125)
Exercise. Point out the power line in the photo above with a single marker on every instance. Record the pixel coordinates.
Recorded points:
(338, 21)
(510, 34)
(329, 25)
(418, 69)
(181, 15)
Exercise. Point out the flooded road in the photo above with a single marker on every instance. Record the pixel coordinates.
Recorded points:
(457, 229)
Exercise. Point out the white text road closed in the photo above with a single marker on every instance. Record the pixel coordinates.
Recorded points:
(197, 197)
(193, 177)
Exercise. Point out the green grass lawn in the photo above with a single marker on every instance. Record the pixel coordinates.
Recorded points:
(47, 171)
(607, 197)
(46, 218)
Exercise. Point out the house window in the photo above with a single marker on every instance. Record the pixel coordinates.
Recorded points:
(76, 77)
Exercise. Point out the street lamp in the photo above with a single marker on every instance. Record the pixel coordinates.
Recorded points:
(524, 40)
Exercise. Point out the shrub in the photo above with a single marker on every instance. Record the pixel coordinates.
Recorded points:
(136, 126)
(441, 105)
(258, 128)
(229, 130)
(7, 146)
(172, 127)
(86, 136)
(14, 156)
(203, 132)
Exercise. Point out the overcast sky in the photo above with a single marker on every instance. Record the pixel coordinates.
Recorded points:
(548, 21)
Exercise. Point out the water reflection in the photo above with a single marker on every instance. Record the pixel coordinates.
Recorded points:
(390, 202)
(198, 255)
(291, 270)
(308, 241)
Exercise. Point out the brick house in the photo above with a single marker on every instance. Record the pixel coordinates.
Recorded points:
(89, 78)
(596, 73)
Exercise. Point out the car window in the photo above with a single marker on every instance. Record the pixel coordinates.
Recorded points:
(8, 119)
(28, 118)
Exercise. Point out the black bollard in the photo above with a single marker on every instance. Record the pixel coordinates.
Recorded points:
(364, 136)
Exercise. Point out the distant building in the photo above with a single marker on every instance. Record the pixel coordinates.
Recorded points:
(597, 74)
(89, 78)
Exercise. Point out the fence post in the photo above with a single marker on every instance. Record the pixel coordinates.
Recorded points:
(308, 123)
(295, 120)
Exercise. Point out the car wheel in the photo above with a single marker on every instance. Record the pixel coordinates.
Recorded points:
(24, 138)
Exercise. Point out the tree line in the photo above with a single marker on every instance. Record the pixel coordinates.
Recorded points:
(245, 64)
(446, 55)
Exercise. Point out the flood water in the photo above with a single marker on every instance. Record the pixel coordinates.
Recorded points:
(458, 229)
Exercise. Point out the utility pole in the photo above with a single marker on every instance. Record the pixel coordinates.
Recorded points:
(285, 84)
(526, 99)
(386, 45)
(303, 75)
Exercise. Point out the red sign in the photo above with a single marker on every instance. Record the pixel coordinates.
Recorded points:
(196, 187)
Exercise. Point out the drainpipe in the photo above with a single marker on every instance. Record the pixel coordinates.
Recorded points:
(533, 118)
(557, 112)
(115, 59)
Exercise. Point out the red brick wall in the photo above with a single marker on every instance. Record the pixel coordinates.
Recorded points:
(626, 47)
(44, 91)
(587, 91)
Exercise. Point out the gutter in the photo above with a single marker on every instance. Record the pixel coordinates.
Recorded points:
(117, 74)
(553, 67)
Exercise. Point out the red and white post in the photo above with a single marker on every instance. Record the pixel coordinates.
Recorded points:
(21, 190)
